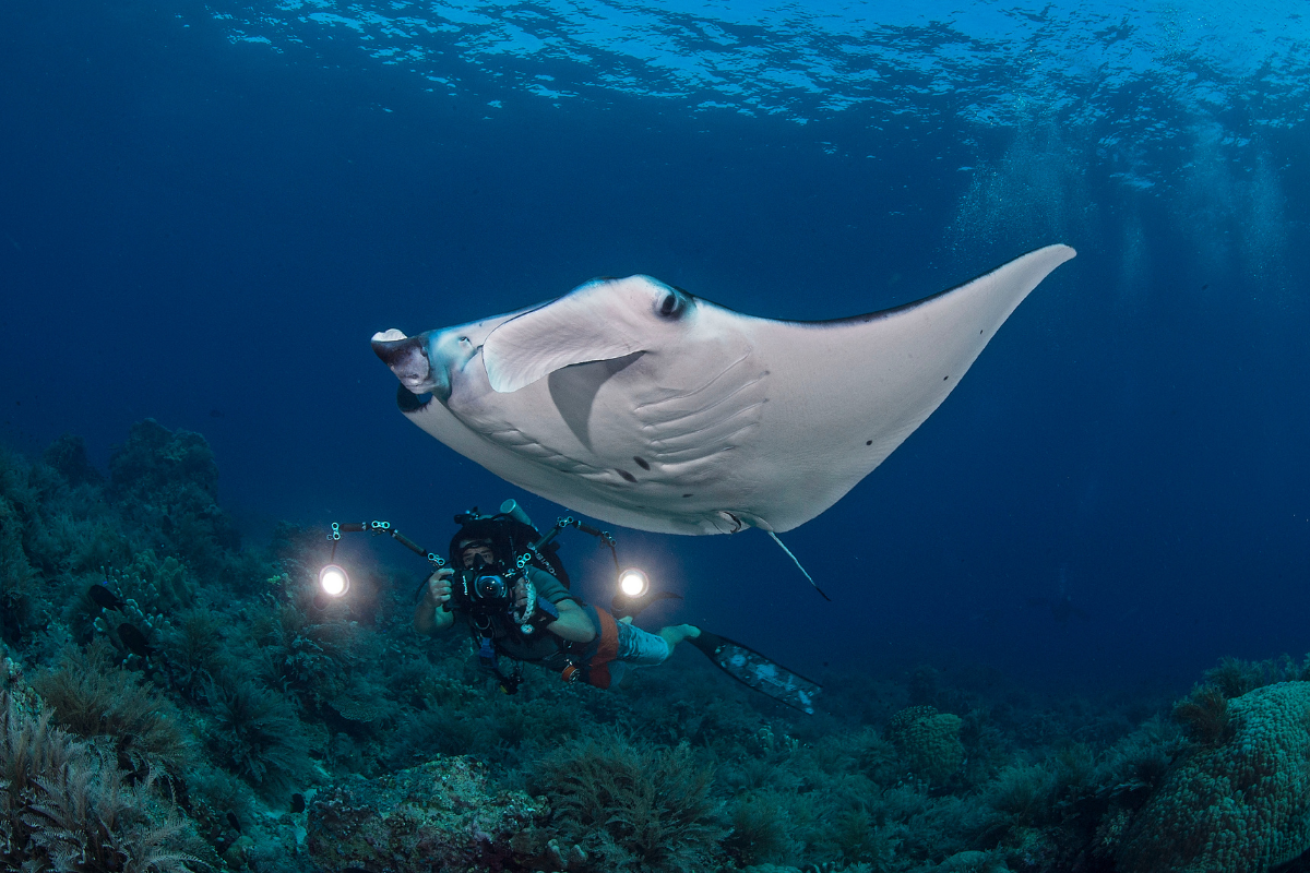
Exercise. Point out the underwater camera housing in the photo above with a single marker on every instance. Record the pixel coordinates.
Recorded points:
(479, 589)
(490, 588)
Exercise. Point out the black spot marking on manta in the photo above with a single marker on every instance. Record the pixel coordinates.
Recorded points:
(944, 378)
(641, 462)
(868, 442)
(980, 333)
(686, 495)
(626, 475)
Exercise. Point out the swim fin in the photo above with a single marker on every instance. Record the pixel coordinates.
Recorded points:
(755, 671)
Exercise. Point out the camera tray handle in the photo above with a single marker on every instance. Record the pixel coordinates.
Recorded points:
(533, 550)
(383, 527)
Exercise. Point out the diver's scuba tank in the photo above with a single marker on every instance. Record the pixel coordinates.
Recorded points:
(511, 508)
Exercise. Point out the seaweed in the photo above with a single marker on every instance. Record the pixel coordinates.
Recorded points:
(1204, 713)
(631, 807)
(194, 652)
(65, 805)
(1233, 677)
(92, 697)
(255, 733)
(759, 830)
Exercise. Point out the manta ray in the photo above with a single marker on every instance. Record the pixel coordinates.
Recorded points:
(639, 404)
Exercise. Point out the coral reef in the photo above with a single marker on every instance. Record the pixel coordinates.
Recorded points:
(1234, 677)
(167, 482)
(929, 740)
(1239, 807)
(442, 815)
(177, 700)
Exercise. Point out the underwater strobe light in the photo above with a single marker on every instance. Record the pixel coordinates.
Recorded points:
(633, 583)
(333, 580)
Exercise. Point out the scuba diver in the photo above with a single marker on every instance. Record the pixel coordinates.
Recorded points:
(523, 612)
(505, 581)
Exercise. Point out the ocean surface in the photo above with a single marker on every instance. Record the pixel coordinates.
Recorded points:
(207, 209)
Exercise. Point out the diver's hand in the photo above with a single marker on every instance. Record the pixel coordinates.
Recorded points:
(439, 587)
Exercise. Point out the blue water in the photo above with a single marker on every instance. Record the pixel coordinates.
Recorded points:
(208, 209)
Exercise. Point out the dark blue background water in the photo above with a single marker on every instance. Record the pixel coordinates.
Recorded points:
(207, 232)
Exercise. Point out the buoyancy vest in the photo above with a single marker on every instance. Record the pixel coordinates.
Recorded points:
(593, 668)
(586, 662)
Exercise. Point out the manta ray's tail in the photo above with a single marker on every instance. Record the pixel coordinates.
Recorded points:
(798, 565)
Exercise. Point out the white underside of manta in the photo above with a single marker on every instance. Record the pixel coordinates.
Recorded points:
(641, 405)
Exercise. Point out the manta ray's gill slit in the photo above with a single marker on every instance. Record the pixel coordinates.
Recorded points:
(677, 431)
(512, 437)
(700, 424)
(677, 449)
(683, 395)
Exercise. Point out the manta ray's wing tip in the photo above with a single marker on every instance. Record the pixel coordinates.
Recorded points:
(1037, 264)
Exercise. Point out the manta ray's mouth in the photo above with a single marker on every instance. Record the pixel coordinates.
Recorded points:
(407, 356)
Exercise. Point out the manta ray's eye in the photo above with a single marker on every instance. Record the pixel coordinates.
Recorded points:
(670, 306)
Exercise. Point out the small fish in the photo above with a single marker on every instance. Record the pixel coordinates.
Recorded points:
(297, 802)
(234, 821)
(104, 598)
(125, 762)
(134, 640)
